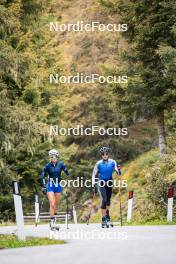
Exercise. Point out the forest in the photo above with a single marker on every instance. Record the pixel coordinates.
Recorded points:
(145, 105)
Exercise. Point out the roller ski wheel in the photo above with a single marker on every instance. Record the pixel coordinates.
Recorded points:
(111, 225)
(108, 220)
(54, 226)
(57, 227)
(104, 223)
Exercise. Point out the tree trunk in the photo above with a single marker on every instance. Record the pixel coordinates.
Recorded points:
(161, 134)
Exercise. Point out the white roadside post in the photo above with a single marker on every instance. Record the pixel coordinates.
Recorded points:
(130, 206)
(66, 219)
(18, 211)
(37, 210)
(74, 215)
(170, 204)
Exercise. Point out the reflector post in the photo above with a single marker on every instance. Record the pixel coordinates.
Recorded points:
(170, 192)
(170, 204)
(74, 215)
(18, 211)
(130, 206)
(130, 195)
(37, 210)
(16, 189)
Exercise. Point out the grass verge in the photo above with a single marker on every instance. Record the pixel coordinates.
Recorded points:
(149, 223)
(11, 241)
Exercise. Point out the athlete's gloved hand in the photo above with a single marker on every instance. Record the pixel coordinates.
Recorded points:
(95, 188)
(119, 169)
(44, 190)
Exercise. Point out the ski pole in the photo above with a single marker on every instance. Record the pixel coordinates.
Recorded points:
(120, 173)
(67, 202)
(121, 223)
(91, 208)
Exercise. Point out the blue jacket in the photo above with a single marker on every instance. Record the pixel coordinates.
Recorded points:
(53, 171)
(104, 170)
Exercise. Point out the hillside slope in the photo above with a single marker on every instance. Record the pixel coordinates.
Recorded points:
(149, 178)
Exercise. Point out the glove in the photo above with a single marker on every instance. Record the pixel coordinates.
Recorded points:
(119, 170)
(44, 190)
(95, 188)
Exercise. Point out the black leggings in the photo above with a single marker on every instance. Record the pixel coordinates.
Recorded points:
(105, 193)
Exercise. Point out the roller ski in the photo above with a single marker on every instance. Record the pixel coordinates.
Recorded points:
(109, 223)
(104, 222)
(53, 225)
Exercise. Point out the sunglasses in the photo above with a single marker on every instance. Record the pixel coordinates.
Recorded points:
(53, 157)
(104, 154)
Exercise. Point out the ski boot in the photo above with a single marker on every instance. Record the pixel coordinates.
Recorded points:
(108, 220)
(53, 225)
(104, 222)
(56, 225)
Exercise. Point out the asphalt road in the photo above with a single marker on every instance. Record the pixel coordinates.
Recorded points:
(91, 244)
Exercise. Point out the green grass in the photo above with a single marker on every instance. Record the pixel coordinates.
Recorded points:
(11, 241)
(149, 223)
(8, 223)
(26, 223)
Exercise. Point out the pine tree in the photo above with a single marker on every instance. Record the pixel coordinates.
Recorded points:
(151, 89)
